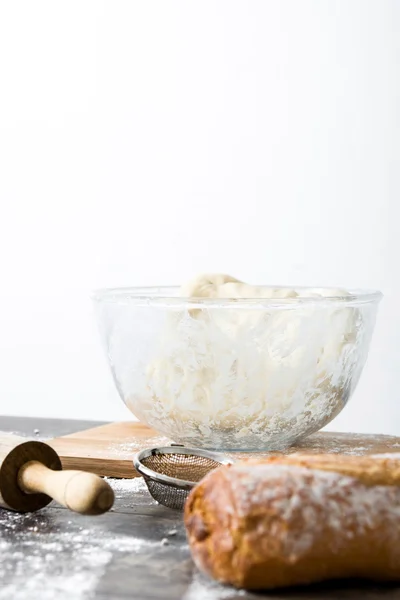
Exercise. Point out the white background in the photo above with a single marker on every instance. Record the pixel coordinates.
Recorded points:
(142, 142)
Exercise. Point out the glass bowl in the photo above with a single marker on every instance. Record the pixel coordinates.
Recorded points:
(236, 374)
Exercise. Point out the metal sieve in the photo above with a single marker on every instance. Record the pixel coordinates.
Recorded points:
(171, 472)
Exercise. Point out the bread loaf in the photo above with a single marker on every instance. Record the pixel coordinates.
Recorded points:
(288, 521)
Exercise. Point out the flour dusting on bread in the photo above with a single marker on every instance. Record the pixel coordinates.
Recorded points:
(262, 524)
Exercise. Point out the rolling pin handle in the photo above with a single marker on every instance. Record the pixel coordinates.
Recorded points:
(84, 493)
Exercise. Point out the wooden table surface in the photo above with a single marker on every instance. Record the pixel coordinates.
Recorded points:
(137, 551)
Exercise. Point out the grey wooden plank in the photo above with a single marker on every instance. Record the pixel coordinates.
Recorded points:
(47, 428)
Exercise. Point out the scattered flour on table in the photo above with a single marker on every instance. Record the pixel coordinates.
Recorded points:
(129, 491)
(202, 588)
(137, 484)
(315, 449)
(128, 449)
(353, 444)
(30, 565)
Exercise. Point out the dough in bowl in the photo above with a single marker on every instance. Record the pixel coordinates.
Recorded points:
(251, 369)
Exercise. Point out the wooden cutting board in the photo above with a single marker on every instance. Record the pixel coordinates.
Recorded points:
(108, 450)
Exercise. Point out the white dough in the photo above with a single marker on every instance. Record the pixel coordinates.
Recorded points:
(248, 369)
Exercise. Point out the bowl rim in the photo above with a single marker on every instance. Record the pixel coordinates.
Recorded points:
(167, 296)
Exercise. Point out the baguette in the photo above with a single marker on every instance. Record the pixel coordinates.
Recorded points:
(291, 520)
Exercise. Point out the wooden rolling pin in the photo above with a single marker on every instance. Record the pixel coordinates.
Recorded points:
(31, 476)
